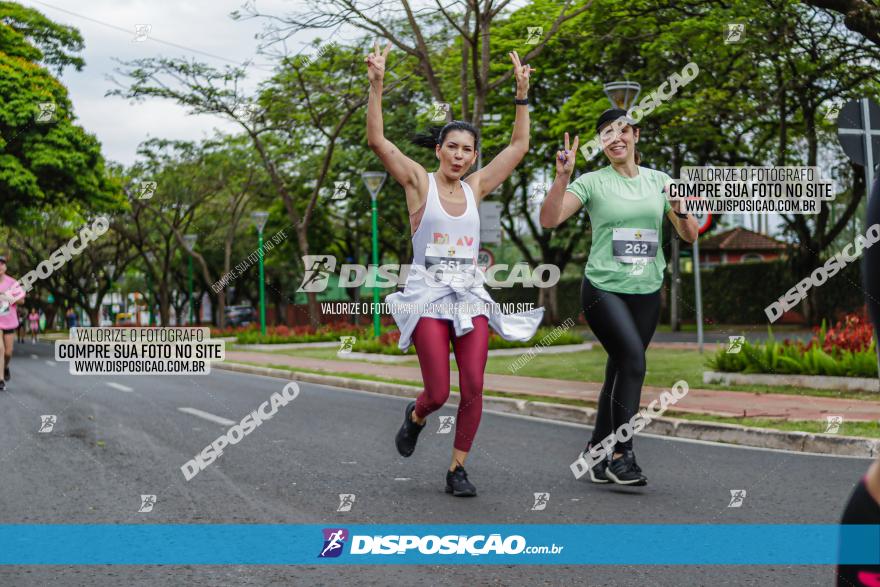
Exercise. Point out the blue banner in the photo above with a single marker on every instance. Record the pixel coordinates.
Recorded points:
(527, 544)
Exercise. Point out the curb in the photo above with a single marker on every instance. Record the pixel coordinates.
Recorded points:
(674, 427)
(809, 381)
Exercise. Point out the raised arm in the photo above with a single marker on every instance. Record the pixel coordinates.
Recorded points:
(559, 203)
(492, 175)
(407, 172)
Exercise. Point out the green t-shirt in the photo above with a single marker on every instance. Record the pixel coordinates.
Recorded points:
(627, 217)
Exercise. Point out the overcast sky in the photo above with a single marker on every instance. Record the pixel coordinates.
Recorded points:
(201, 26)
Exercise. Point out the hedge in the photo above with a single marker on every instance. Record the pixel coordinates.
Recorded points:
(732, 294)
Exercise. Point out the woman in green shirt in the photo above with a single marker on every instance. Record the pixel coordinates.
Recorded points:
(620, 292)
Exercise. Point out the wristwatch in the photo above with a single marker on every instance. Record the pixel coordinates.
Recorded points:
(523, 102)
(685, 215)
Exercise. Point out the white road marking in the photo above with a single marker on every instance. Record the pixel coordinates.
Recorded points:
(33, 356)
(402, 479)
(50, 363)
(206, 416)
(119, 386)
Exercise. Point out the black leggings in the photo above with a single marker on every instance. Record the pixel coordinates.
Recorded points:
(624, 324)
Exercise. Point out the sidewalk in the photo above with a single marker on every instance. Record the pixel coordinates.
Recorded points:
(699, 401)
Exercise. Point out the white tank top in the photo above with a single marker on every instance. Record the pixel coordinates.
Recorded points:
(445, 239)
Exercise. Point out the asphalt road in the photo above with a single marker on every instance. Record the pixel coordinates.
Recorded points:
(119, 437)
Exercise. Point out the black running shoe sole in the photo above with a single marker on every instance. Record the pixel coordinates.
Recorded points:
(596, 479)
(632, 482)
(460, 493)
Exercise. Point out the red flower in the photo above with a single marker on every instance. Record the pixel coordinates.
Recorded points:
(853, 333)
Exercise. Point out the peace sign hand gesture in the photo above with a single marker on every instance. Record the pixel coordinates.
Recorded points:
(376, 62)
(565, 159)
(522, 76)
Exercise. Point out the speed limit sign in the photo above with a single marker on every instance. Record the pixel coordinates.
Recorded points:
(485, 259)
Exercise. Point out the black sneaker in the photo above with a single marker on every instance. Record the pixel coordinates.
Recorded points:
(597, 473)
(408, 433)
(458, 485)
(625, 471)
(2, 386)
(6, 375)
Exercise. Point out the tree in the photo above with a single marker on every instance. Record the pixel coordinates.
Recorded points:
(293, 124)
(860, 16)
(465, 70)
(45, 159)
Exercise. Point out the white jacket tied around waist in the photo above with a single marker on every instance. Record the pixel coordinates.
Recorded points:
(470, 298)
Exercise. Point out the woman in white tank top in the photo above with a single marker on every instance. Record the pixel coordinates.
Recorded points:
(444, 300)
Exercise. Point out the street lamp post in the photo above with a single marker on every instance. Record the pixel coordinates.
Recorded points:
(622, 94)
(259, 218)
(190, 242)
(374, 180)
(111, 273)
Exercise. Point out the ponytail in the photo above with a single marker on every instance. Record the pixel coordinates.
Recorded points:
(428, 139)
(435, 135)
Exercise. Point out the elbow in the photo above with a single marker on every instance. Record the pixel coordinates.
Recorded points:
(547, 223)
(375, 139)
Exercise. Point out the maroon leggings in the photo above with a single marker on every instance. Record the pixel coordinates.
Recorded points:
(431, 339)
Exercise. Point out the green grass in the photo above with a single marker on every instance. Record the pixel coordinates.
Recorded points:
(665, 367)
(847, 428)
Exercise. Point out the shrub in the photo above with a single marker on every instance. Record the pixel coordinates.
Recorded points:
(846, 350)
(306, 333)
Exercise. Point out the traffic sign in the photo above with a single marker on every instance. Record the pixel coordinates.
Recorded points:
(858, 128)
(485, 259)
(490, 222)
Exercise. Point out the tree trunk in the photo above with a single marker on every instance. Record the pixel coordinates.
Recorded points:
(164, 306)
(548, 297)
(51, 313)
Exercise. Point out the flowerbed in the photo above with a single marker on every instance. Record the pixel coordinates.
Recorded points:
(845, 350)
(285, 334)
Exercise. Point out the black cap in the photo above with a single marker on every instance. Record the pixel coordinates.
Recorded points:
(611, 115)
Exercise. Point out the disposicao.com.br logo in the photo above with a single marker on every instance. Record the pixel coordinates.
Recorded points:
(480, 544)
